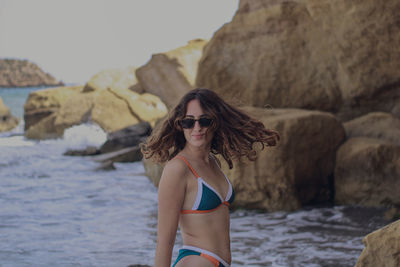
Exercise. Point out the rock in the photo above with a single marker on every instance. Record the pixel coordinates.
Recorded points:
(379, 125)
(45, 102)
(367, 173)
(49, 112)
(299, 171)
(22, 73)
(170, 75)
(89, 151)
(130, 136)
(111, 112)
(122, 78)
(153, 170)
(382, 247)
(7, 120)
(308, 54)
(296, 172)
(128, 154)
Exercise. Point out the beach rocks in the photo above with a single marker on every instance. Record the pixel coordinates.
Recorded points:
(368, 163)
(49, 112)
(127, 137)
(171, 74)
(299, 170)
(367, 173)
(7, 120)
(381, 247)
(379, 125)
(22, 73)
(113, 78)
(121, 146)
(309, 54)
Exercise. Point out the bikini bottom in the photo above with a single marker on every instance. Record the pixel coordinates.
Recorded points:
(190, 250)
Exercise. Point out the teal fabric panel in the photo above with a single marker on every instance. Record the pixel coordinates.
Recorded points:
(185, 252)
(209, 200)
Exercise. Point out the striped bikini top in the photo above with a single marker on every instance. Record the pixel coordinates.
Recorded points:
(207, 198)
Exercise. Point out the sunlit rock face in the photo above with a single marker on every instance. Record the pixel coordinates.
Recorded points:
(7, 120)
(114, 79)
(339, 56)
(382, 247)
(49, 112)
(22, 73)
(171, 74)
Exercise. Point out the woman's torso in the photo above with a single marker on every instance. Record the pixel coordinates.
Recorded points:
(207, 228)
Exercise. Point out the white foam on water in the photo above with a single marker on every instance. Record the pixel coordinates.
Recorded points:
(15, 141)
(80, 137)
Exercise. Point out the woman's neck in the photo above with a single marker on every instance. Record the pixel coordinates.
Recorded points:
(197, 153)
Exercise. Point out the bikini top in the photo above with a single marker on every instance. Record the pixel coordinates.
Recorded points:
(207, 198)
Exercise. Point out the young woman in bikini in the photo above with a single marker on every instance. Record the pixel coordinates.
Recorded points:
(193, 192)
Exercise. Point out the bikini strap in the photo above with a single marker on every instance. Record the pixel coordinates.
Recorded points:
(188, 164)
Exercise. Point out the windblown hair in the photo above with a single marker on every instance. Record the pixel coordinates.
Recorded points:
(235, 133)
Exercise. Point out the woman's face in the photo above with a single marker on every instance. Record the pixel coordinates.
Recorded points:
(197, 136)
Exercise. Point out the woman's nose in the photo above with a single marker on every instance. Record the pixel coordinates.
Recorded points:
(196, 125)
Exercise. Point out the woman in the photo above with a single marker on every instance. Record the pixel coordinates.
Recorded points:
(193, 192)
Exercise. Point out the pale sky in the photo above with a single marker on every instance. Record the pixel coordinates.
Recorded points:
(74, 39)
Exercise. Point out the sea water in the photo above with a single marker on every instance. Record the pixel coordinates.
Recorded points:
(58, 210)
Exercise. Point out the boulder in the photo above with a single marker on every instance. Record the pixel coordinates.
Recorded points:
(111, 112)
(7, 120)
(367, 173)
(88, 151)
(127, 137)
(49, 112)
(127, 154)
(296, 172)
(22, 73)
(122, 78)
(382, 247)
(303, 54)
(153, 170)
(45, 102)
(379, 125)
(170, 75)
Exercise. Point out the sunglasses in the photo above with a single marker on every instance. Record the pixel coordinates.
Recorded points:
(188, 123)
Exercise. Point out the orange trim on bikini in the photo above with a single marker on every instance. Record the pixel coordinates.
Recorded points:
(210, 258)
(226, 203)
(188, 164)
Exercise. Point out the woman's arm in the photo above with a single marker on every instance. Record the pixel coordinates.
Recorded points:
(171, 194)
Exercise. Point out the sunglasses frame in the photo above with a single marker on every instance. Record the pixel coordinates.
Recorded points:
(203, 124)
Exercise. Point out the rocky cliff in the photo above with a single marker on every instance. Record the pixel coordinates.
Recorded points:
(22, 73)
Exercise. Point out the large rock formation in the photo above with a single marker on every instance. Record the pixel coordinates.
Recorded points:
(170, 75)
(341, 57)
(22, 73)
(115, 79)
(368, 164)
(382, 247)
(49, 112)
(7, 120)
(297, 172)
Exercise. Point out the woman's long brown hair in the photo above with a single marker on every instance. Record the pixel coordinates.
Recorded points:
(235, 132)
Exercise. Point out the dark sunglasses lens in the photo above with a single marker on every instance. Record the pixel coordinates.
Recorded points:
(205, 122)
(187, 123)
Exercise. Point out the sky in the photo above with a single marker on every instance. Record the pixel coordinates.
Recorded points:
(75, 39)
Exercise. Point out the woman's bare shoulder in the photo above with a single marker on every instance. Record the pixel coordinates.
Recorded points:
(175, 169)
